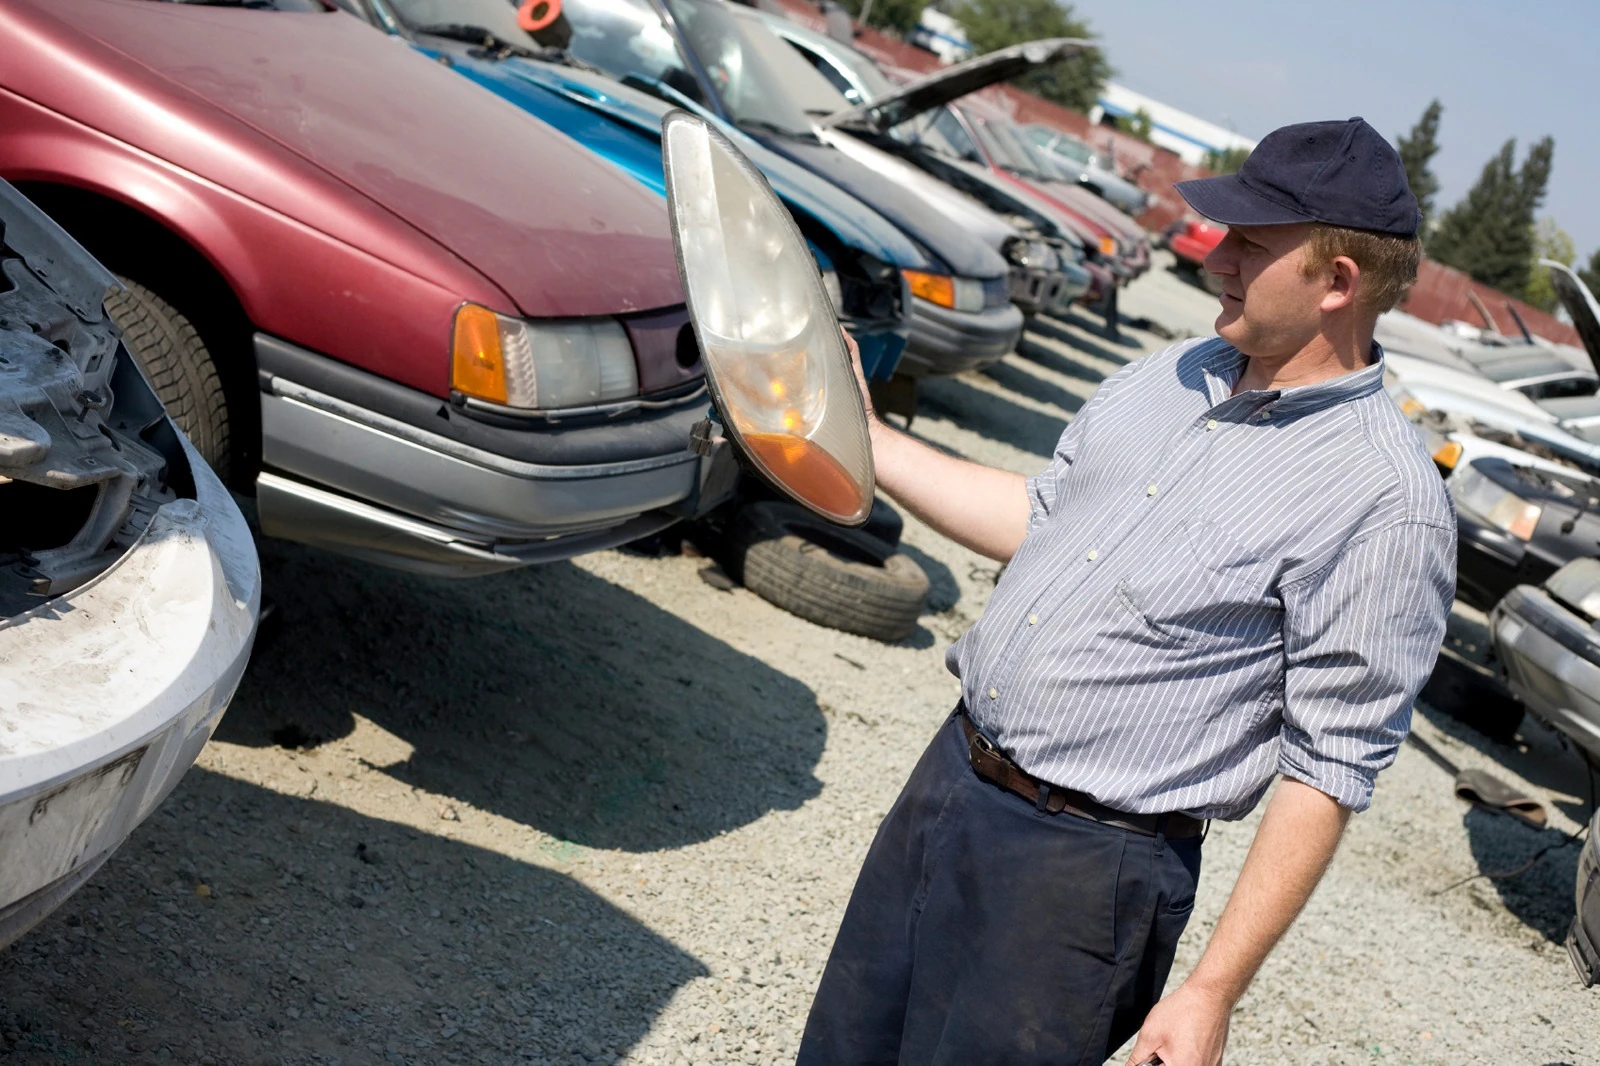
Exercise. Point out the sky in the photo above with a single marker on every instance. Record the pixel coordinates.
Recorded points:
(1500, 69)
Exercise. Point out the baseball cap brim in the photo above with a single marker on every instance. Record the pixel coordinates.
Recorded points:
(1227, 199)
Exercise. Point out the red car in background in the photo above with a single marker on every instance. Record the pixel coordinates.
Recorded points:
(1190, 241)
(423, 327)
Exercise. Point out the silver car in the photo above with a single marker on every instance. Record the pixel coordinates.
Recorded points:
(129, 585)
(1080, 162)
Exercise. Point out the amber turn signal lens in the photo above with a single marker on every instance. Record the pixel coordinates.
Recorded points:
(1447, 455)
(1108, 245)
(935, 288)
(477, 362)
(808, 471)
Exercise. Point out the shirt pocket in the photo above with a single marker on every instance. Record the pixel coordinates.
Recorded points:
(1203, 586)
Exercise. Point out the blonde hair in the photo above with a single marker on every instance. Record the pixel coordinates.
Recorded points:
(1388, 264)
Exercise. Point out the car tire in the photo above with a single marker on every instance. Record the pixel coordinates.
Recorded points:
(839, 578)
(173, 356)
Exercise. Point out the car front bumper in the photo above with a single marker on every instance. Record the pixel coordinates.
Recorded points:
(947, 342)
(352, 463)
(1552, 662)
(110, 692)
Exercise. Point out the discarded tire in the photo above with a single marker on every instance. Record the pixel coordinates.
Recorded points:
(834, 577)
(169, 350)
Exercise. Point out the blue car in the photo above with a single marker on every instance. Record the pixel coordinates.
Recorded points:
(862, 256)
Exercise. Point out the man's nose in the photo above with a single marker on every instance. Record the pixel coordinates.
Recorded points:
(1221, 260)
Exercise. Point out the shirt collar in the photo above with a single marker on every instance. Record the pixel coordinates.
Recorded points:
(1224, 365)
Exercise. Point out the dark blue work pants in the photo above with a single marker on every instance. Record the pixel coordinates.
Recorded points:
(984, 931)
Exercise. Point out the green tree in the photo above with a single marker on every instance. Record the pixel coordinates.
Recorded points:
(1591, 273)
(1550, 241)
(897, 15)
(1489, 234)
(992, 24)
(1225, 160)
(1139, 124)
(1416, 152)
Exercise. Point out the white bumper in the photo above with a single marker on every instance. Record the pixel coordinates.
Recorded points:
(108, 693)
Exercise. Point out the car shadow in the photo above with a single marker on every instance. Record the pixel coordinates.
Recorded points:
(993, 416)
(1056, 328)
(286, 929)
(1021, 379)
(1532, 870)
(547, 695)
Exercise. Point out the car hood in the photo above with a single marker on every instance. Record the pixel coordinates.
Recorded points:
(962, 253)
(620, 123)
(1578, 585)
(541, 217)
(954, 82)
(1580, 304)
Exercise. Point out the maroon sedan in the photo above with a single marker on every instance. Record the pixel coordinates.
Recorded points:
(423, 327)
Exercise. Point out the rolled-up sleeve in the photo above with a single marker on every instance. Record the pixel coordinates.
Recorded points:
(1360, 639)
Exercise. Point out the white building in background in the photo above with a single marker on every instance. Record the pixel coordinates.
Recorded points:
(941, 35)
(1178, 131)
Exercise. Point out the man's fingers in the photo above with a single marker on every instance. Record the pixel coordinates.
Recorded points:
(1144, 1051)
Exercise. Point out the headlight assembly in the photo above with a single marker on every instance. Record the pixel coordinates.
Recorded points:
(1108, 245)
(835, 291)
(541, 365)
(958, 294)
(769, 331)
(1499, 507)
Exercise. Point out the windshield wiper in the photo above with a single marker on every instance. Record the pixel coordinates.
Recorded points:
(490, 41)
(772, 127)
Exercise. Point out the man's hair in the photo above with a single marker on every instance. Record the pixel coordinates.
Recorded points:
(1388, 264)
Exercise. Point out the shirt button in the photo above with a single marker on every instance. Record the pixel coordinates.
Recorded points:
(1033, 619)
(994, 693)
(1264, 415)
(1091, 555)
(1211, 424)
(1150, 489)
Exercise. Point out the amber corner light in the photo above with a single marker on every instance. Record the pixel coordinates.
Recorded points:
(477, 363)
(1108, 246)
(1447, 455)
(935, 288)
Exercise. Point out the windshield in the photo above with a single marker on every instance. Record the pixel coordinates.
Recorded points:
(761, 80)
(1034, 161)
(1061, 145)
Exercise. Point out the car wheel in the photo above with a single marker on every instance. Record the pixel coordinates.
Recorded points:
(173, 356)
(840, 578)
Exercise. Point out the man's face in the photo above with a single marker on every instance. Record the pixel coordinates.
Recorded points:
(1270, 309)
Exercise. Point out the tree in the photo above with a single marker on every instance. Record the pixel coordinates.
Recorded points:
(1591, 273)
(1225, 160)
(1550, 241)
(1489, 234)
(992, 24)
(1139, 124)
(897, 15)
(1416, 152)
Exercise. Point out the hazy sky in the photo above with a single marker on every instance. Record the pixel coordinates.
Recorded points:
(1500, 69)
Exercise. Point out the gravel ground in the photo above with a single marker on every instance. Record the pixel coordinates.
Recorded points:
(603, 812)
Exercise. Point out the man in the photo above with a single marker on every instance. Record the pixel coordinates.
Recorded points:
(1236, 569)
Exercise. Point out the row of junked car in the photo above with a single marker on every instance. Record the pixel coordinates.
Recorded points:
(401, 272)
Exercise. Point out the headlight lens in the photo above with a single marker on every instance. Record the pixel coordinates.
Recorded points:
(830, 283)
(541, 365)
(769, 336)
(1502, 509)
(958, 294)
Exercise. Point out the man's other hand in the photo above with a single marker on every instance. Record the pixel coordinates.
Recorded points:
(861, 377)
(1189, 1027)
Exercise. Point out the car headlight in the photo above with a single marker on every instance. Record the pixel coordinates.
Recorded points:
(1409, 405)
(958, 294)
(835, 291)
(1021, 251)
(1108, 245)
(1499, 507)
(541, 365)
(774, 355)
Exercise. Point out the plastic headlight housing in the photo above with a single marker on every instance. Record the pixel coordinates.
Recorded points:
(835, 291)
(541, 365)
(958, 294)
(769, 333)
(1502, 509)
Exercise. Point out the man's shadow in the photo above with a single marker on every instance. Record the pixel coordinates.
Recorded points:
(285, 929)
(546, 695)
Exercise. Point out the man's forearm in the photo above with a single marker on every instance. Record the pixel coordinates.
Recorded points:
(1289, 855)
(976, 506)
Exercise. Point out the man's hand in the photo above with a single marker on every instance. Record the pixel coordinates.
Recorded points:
(861, 378)
(1189, 1027)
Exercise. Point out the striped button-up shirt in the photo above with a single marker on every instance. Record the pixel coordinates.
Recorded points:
(1216, 589)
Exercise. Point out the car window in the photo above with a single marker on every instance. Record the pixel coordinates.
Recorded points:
(761, 81)
(825, 66)
(1560, 388)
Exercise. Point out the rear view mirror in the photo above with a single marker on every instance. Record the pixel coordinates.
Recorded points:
(769, 336)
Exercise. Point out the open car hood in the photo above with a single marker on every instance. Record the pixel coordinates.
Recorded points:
(952, 83)
(1580, 304)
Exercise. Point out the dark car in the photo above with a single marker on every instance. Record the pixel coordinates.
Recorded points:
(724, 58)
(421, 326)
(1517, 524)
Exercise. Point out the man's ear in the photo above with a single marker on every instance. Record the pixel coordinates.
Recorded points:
(1344, 283)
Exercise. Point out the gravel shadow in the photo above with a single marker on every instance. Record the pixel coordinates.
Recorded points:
(321, 935)
(1024, 382)
(1051, 359)
(1056, 328)
(1540, 896)
(547, 695)
(992, 416)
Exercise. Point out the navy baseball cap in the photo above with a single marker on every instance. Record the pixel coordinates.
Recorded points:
(1340, 173)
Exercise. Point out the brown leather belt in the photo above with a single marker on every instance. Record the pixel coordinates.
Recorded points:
(989, 763)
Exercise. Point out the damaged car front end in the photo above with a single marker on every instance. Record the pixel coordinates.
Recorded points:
(129, 585)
